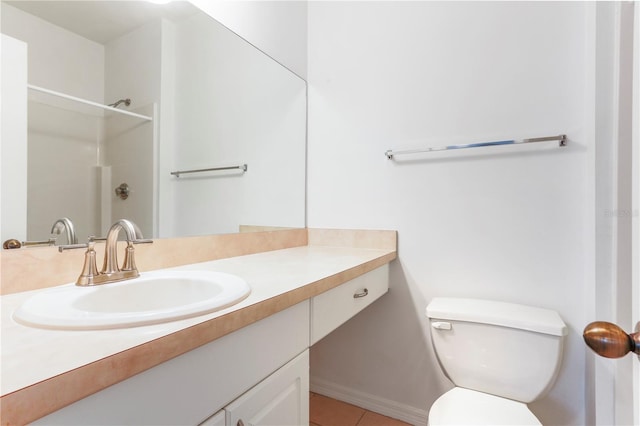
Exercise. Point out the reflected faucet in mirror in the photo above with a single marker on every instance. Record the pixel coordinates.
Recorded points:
(65, 224)
(60, 225)
(111, 272)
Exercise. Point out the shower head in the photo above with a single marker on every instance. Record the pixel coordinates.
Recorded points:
(126, 102)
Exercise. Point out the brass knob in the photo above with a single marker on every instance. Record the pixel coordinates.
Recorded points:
(609, 340)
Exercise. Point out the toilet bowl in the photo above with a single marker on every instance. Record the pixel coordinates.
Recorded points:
(500, 356)
(462, 406)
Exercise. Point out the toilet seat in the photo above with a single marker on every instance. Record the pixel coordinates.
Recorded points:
(462, 406)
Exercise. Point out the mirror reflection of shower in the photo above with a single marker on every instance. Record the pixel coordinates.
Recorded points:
(78, 149)
(88, 153)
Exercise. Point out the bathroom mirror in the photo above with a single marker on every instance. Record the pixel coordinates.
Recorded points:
(208, 100)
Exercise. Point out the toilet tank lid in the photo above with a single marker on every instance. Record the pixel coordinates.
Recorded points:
(497, 313)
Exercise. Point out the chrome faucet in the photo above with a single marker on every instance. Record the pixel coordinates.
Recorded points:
(65, 224)
(110, 271)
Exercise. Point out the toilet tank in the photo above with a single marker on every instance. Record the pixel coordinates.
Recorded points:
(504, 349)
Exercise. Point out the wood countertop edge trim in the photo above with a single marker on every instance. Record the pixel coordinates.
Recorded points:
(40, 399)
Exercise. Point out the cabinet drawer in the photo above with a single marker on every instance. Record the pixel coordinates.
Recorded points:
(331, 309)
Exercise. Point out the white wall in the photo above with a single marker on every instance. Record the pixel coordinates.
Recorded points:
(505, 223)
(278, 28)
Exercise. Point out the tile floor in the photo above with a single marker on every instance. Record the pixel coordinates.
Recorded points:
(324, 411)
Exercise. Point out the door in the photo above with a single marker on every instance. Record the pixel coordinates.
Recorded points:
(627, 371)
(635, 186)
(616, 382)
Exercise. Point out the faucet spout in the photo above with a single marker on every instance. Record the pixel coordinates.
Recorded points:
(65, 224)
(110, 265)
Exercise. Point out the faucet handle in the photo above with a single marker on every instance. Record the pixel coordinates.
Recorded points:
(142, 241)
(64, 247)
(90, 268)
(90, 240)
(129, 263)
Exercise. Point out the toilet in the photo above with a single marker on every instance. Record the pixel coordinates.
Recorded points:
(500, 356)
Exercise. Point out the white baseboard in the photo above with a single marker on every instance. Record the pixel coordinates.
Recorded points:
(386, 407)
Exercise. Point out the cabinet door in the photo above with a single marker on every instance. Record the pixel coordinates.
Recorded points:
(280, 399)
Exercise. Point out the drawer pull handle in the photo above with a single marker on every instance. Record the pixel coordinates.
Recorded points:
(359, 295)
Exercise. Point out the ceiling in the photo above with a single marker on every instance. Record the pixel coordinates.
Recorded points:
(103, 21)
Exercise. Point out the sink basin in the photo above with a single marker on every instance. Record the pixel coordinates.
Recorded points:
(154, 297)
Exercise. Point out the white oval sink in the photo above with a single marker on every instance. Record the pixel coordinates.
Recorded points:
(154, 297)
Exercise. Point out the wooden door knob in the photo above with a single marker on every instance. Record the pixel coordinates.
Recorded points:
(609, 340)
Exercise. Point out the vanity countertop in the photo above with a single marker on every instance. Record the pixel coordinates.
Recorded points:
(45, 370)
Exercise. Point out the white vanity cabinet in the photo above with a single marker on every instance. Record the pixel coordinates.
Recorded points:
(254, 376)
(187, 389)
